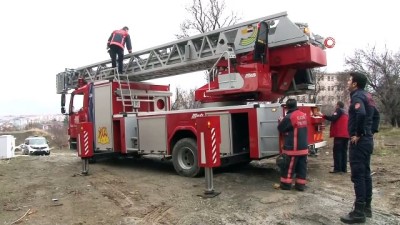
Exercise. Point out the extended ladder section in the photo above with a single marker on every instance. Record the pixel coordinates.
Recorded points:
(195, 53)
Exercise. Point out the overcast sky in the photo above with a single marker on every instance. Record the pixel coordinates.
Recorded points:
(41, 38)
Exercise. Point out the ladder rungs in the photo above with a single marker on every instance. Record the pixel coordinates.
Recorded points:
(125, 99)
(125, 94)
(123, 75)
(108, 69)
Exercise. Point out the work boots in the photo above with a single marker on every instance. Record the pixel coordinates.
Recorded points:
(355, 216)
(368, 210)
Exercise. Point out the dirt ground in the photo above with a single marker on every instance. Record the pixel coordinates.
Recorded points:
(50, 190)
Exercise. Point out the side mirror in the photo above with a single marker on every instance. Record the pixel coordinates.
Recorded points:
(63, 100)
(63, 104)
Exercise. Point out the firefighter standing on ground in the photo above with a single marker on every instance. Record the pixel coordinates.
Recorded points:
(295, 150)
(362, 125)
(116, 45)
(339, 132)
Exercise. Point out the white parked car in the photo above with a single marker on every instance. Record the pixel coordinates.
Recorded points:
(37, 145)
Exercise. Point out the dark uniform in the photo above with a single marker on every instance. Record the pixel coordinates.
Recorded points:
(116, 43)
(363, 122)
(340, 134)
(295, 150)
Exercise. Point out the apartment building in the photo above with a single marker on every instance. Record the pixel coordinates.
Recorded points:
(331, 88)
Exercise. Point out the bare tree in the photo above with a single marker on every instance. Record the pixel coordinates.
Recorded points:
(383, 71)
(318, 76)
(341, 87)
(33, 125)
(59, 135)
(206, 17)
(184, 99)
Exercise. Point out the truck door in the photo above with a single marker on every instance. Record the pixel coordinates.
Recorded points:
(103, 133)
(267, 117)
(77, 114)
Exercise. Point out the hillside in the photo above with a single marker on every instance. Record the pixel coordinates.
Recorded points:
(20, 136)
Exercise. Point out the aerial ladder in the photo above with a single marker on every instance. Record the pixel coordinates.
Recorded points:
(205, 51)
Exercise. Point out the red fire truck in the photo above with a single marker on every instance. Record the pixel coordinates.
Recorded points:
(251, 66)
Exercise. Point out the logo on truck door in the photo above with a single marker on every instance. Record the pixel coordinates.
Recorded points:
(102, 136)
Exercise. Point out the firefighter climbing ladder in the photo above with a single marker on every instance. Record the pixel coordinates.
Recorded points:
(195, 53)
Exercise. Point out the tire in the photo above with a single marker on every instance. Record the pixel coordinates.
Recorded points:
(47, 153)
(73, 146)
(184, 158)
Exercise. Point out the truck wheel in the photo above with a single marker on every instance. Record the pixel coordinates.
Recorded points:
(184, 158)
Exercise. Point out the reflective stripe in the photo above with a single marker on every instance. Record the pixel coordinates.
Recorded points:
(296, 152)
(286, 180)
(289, 175)
(295, 138)
(121, 34)
(301, 181)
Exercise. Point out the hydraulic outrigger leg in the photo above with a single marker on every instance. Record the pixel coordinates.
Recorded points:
(85, 166)
(85, 144)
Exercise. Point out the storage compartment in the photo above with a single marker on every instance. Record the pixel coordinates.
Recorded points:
(240, 132)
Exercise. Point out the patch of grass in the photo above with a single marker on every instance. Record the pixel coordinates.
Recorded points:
(389, 131)
(387, 141)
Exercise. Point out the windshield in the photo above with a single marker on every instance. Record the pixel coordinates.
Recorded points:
(76, 102)
(37, 141)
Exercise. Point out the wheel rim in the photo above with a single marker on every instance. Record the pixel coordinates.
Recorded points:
(186, 158)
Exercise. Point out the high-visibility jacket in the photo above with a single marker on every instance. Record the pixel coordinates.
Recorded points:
(120, 38)
(339, 125)
(294, 129)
